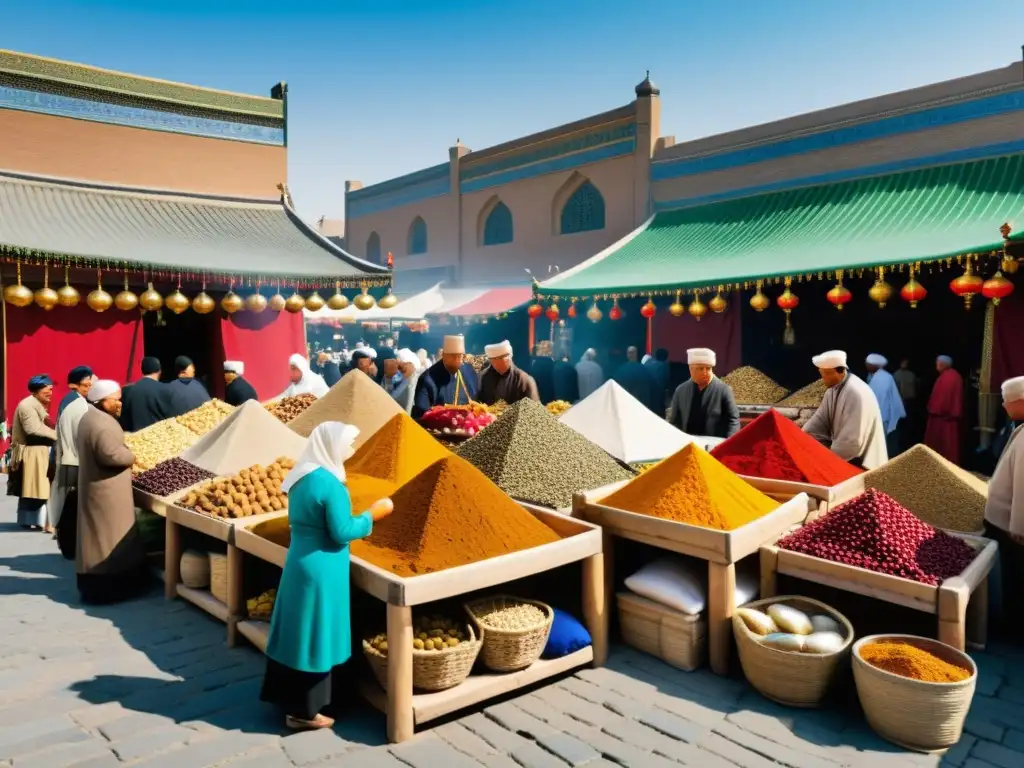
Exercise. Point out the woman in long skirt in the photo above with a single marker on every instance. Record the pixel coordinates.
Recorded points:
(310, 634)
(31, 440)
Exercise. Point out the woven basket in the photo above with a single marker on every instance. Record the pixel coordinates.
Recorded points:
(510, 650)
(219, 576)
(786, 677)
(677, 638)
(914, 714)
(195, 569)
(431, 670)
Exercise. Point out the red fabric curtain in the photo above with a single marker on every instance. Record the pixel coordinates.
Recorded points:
(264, 342)
(54, 342)
(718, 332)
(1007, 348)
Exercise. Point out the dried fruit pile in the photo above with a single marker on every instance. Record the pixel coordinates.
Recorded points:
(287, 408)
(464, 420)
(157, 443)
(751, 387)
(206, 417)
(806, 397)
(433, 633)
(253, 491)
(874, 532)
(558, 407)
(498, 407)
(171, 476)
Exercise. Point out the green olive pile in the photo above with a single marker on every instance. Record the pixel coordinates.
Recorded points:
(429, 633)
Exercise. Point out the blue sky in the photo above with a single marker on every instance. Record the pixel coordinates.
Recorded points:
(383, 88)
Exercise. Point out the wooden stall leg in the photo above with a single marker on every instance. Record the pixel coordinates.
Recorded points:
(977, 616)
(596, 605)
(769, 558)
(236, 593)
(400, 716)
(952, 615)
(172, 559)
(720, 607)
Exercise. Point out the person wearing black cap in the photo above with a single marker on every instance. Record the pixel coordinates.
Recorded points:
(147, 401)
(79, 381)
(186, 392)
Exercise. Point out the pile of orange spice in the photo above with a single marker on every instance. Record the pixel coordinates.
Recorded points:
(907, 660)
(692, 487)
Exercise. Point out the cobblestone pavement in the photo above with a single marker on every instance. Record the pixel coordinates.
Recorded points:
(151, 683)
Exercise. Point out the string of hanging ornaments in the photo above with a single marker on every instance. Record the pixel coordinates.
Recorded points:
(99, 300)
(967, 285)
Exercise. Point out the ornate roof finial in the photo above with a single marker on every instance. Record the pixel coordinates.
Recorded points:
(647, 88)
(286, 196)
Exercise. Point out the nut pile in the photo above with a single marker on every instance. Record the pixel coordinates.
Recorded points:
(253, 491)
(558, 407)
(751, 387)
(207, 416)
(157, 443)
(287, 408)
(806, 397)
(430, 633)
(171, 476)
(507, 614)
(534, 457)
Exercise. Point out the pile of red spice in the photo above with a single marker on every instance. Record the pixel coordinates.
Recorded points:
(874, 532)
(773, 447)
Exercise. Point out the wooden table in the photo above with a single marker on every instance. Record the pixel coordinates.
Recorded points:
(406, 709)
(721, 549)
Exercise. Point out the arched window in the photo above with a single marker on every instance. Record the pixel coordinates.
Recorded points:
(498, 226)
(373, 248)
(417, 236)
(583, 211)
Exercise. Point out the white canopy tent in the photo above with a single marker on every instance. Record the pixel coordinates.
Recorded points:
(413, 308)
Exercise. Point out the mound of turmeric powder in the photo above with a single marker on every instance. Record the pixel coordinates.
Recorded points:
(396, 452)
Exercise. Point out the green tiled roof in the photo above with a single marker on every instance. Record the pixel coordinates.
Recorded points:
(914, 216)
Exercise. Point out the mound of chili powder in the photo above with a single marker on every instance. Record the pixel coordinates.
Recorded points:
(773, 447)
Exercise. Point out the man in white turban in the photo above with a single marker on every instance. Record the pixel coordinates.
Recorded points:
(848, 421)
(890, 403)
(503, 379)
(1004, 510)
(705, 405)
(405, 380)
(450, 381)
(238, 390)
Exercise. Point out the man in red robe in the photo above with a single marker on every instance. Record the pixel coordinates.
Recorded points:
(946, 411)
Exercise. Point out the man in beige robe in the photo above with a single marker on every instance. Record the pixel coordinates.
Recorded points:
(32, 437)
(1004, 510)
(848, 421)
(110, 555)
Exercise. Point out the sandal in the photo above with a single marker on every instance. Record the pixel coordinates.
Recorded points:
(300, 724)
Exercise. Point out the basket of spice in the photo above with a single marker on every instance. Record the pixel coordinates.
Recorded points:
(515, 630)
(443, 653)
(792, 648)
(915, 691)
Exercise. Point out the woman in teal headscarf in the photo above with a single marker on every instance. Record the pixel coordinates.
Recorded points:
(310, 633)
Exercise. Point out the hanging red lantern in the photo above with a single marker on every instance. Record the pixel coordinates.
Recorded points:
(840, 294)
(913, 291)
(571, 311)
(759, 302)
(615, 313)
(996, 288)
(967, 285)
(648, 309)
(594, 314)
(788, 301)
(552, 313)
(534, 311)
(677, 309)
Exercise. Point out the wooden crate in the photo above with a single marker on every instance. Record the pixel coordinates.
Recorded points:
(721, 549)
(782, 490)
(950, 601)
(581, 541)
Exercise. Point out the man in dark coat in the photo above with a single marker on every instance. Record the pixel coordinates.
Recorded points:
(238, 390)
(187, 394)
(438, 384)
(567, 381)
(329, 370)
(705, 405)
(147, 401)
(633, 377)
(658, 366)
(503, 380)
(542, 368)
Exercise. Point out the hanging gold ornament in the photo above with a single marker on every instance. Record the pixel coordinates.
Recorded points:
(339, 300)
(364, 300)
(295, 302)
(1009, 265)
(99, 300)
(697, 308)
(314, 301)
(881, 291)
(277, 301)
(231, 302)
(151, 300)
(759, 302)
(594, 314)
(203, 304)
(18, 295)
(126, 301)
(719, 303)
(67, 296)
(256, 302)
(388, 300)
(46, 297)
(177, 302)
(676, 308)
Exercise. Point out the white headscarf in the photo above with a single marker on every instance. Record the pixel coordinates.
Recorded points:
(102, 389)
(329, 446)
(310, 383)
